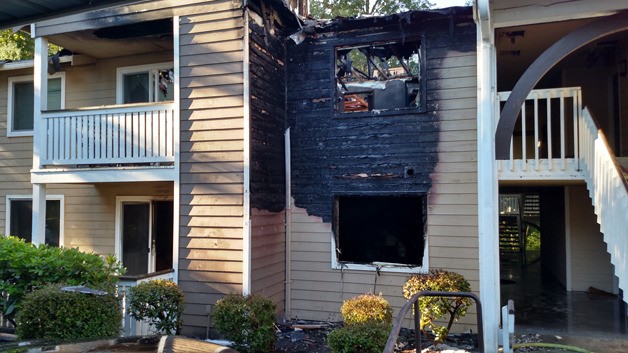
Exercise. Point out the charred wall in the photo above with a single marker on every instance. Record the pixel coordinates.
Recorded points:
(268, 119)
(389, 152)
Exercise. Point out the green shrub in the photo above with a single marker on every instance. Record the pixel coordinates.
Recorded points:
(249, 322)
(435, 308)
(366, 308)
(25, 267)
(159, 302)
(363, 337)
(55, 314)
(368, 321)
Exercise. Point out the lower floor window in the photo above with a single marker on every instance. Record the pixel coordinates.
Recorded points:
(21, 220)
(380, 229)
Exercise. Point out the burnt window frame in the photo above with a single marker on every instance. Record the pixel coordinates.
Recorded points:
(378, 266)
(422, 108)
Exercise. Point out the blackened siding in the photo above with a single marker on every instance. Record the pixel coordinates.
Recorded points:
(336, 154)
(268, 122)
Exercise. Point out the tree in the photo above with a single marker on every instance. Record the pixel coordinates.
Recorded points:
(348, 8)
(20, 46)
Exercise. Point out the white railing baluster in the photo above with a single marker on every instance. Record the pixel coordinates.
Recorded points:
(562, 129)
(116, 135)
(536, 131)
(524, 133)
(549, 131)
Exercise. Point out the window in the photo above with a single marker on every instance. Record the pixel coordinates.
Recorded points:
(380, 230)
(20, 213)
(380, 76)
(21, 102)
(145, 83)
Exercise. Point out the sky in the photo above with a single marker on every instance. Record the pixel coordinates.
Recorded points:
(447, 3)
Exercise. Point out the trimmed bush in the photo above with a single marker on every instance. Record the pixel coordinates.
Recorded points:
(160, 303)
(367, 324)
(249, 322)
(366, 308)
(435, 308)
(55, 314)
(363, 337)
(25, 267)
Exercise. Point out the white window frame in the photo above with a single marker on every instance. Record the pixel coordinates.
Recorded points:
(153, 72)
(60, 198)
(120, 200)
(19, 79)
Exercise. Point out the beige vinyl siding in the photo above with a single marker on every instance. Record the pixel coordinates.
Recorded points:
(268, 248)
(318, 291)
(95, 84)
(212, 159)
(590, 262)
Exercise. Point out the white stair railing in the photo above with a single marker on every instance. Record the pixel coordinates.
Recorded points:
(608, 190)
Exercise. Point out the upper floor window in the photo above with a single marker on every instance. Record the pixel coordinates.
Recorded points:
(145, 83)
(379, 76)
(20, 102)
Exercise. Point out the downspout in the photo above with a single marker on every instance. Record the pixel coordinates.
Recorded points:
(288, 306)
(246, 231)
(488, 238)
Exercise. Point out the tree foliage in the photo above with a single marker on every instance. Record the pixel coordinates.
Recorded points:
(20, 46)
(357, 8)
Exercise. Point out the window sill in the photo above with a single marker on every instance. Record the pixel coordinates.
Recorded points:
(384, 267)
(20, 133)
(377, 113)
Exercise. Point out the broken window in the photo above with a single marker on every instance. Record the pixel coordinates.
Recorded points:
(379, 77)
(380, 229)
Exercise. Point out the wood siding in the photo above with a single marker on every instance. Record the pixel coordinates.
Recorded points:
(212, 159)
(590, 263)
(268, 122)
(439, 144)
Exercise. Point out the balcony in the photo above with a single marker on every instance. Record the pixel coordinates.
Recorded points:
(545, 144)
(107, 140)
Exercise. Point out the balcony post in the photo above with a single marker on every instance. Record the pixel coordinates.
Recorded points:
(38, 234)
(40, 85)
(40, 88)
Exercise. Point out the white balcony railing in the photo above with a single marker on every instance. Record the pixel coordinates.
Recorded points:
(544, 144)
(112, 135)
(130, 326)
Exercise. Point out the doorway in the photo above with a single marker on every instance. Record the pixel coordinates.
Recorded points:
(144, 234)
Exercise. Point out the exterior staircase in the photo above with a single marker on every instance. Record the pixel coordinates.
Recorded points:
(607, 183)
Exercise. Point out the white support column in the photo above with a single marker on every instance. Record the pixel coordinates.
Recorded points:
(488, 227)
(39, 214)
(40, 85)
(177, 151)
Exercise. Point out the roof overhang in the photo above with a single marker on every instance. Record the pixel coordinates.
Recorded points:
(19, 13)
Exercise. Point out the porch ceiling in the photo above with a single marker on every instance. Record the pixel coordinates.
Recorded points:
(19, 13)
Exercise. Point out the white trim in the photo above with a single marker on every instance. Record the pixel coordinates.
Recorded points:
(56, 197)
(151, 69)
(10, 91)
(28, 64)
(488, 199)
(567, 220)
(120, 200)
(96, 175)
(246, 231)
(177, 152)
(381, 267)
